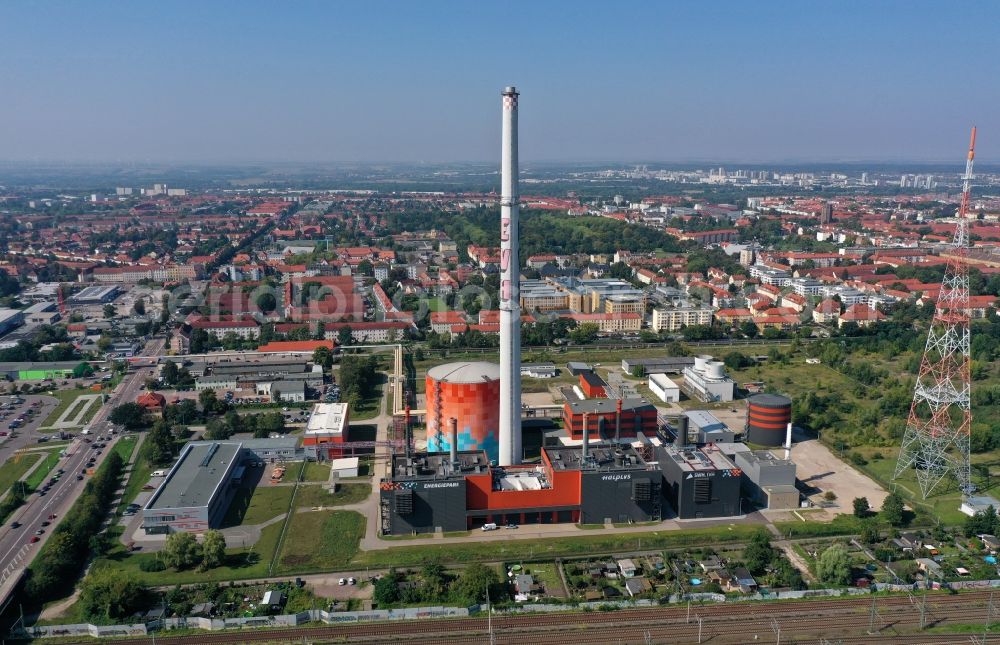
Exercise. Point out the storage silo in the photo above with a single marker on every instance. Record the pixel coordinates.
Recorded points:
(768, 416)
(470, 393)
(715, 370)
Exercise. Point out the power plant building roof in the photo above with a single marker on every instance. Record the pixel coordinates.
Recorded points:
(438, 465)
(327, 419)
(607, 406)
(599, 457)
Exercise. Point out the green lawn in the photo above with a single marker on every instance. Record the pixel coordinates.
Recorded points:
(262, 504)
(310, 495)
(436, 304)
(324, 540)
(42, 472)
(546, 573)
(547, 548)
(78, 404)
(14, 469)
(944, 500)
(313, 471)
(66, 399)
(368, 408)
(841, 525)
(795, 378)
(241, 563)
(124, 447)
(138, 478)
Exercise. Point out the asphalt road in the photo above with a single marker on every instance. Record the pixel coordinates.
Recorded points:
(16, 548)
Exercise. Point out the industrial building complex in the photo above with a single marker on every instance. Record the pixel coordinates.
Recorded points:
(606, 453)
(614, 459)
(455, 492)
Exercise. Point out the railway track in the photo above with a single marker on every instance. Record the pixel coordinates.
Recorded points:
(898, 620)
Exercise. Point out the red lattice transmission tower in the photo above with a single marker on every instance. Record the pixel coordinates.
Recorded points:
(936, 441)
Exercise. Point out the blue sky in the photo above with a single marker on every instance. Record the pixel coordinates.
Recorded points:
(419, 81)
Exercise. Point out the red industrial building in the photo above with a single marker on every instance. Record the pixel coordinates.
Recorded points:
(607, 417)
(593, 386)
(326, 430)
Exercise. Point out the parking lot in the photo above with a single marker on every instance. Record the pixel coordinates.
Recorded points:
(20, 417)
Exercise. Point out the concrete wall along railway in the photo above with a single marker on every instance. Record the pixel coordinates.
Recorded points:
(218, 624)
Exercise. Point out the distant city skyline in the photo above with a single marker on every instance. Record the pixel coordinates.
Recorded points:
(725, 82)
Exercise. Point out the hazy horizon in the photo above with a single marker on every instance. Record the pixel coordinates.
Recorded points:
(366, 83)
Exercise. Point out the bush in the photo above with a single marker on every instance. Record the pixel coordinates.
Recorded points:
(152, 565)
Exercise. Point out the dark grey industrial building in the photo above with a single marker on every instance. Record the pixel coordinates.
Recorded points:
(430, 492)
(662, 365)
(700, 483)
(768, 479)
(427, 492)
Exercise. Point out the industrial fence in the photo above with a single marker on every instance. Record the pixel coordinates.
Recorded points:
(218, 624)
(417, 613)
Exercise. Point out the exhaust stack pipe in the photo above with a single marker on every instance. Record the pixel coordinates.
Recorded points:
(618, 421)
(453, 422)
(682, 432)
(406, 432)
(586, 440)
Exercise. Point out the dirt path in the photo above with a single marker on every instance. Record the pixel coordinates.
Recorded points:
(796, 560)
(57, 609)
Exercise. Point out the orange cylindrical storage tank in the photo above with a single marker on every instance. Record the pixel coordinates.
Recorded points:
(470, 393)
(768, 416)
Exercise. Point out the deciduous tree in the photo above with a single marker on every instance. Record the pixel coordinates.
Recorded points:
(181, 551)
(213, 549)
(834, 565)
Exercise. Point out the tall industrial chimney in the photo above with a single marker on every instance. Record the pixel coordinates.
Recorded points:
(510, 298)
(585, 446)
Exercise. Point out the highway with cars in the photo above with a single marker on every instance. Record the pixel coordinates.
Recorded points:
(43, 509)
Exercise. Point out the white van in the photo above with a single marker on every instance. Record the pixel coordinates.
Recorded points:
(489, 527)
(158, 473)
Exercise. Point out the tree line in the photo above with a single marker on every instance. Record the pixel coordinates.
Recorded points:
(77, 535)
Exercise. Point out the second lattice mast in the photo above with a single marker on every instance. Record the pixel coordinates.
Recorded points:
(936, 441)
